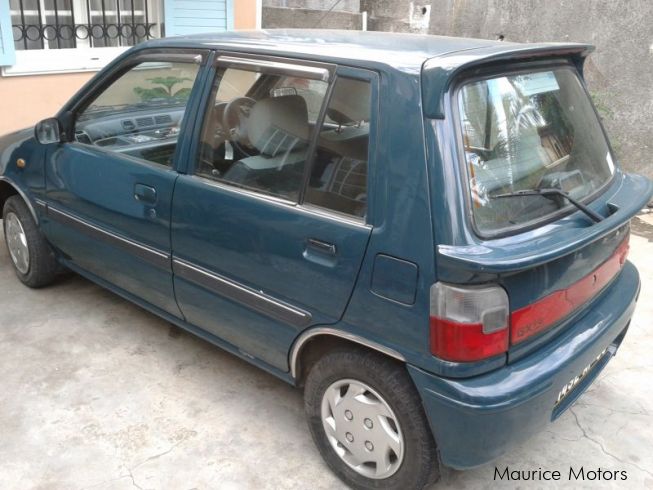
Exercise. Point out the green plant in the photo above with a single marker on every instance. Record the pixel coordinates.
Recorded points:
(165, 89)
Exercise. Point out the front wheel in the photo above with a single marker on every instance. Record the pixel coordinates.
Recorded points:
(367, 421)
(32, 257)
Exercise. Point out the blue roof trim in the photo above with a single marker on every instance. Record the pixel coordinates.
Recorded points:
(400, 51)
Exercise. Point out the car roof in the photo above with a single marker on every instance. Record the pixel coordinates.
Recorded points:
(401, 51)
(437, 59)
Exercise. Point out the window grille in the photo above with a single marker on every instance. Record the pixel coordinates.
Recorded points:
(60, 24)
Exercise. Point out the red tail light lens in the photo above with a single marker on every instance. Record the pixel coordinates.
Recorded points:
(471, 323)
(539, 316)
(468, 323)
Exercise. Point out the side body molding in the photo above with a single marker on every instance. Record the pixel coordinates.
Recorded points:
(257, 300)
(156, 257)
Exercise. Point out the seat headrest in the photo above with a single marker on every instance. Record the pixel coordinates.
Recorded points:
(350, 101)
(278, 124)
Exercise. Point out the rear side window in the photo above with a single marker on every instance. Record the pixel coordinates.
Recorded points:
(338, 179)
(529, 131)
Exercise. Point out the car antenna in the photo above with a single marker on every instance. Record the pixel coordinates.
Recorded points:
(326, 13)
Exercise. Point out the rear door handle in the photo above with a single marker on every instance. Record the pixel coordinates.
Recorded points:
(322, 246)
(145, 193)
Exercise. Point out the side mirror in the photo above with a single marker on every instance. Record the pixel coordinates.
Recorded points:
(48, 131)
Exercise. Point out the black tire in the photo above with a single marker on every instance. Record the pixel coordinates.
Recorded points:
(43, 265)
(420, 465)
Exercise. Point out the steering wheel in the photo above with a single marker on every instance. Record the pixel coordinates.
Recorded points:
(235, 122)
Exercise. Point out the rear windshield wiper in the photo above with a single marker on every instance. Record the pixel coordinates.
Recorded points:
(549, 194)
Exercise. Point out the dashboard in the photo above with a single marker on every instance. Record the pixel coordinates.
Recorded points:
(150, 134)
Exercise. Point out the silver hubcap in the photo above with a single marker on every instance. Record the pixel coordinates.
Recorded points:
(362, 429)
(17, 243)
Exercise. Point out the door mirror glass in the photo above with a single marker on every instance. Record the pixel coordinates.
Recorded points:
(48, 131)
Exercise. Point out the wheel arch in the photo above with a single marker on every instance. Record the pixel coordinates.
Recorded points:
(8, 188)
(306, 350)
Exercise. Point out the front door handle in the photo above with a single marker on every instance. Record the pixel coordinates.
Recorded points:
(145, 193)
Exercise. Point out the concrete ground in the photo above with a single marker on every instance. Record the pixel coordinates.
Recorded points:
(97, 393)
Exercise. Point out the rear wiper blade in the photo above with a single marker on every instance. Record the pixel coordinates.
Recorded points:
(550, 193)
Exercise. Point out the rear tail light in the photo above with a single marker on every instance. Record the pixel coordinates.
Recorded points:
(471, 323)
(468, 323)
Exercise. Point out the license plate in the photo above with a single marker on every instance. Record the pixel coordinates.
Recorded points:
(569, 387)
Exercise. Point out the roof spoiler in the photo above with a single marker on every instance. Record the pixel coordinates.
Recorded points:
(438, 73)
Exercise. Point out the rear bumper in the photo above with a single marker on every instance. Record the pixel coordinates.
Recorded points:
(477, 419)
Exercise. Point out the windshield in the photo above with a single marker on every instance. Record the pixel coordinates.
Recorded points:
(530, 131)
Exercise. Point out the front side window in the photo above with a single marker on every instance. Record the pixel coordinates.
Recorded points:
(529, 131)
(140, 113)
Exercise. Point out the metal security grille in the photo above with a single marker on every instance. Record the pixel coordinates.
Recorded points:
(59, 24)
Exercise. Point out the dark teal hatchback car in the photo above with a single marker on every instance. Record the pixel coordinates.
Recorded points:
(428, 234)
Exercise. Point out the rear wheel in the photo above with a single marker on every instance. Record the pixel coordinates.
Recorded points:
(32, 257)
(367, 421)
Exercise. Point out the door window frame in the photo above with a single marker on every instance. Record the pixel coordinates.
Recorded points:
(70, 112)
(300, 68)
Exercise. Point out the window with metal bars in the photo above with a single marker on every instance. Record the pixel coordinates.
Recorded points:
(60, 24)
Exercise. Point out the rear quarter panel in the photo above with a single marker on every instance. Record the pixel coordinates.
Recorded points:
(402, 227)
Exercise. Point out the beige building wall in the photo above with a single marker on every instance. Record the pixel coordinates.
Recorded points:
(25, 100)
(245, 14)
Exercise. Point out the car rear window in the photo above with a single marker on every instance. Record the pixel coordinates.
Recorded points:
(524, 131)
